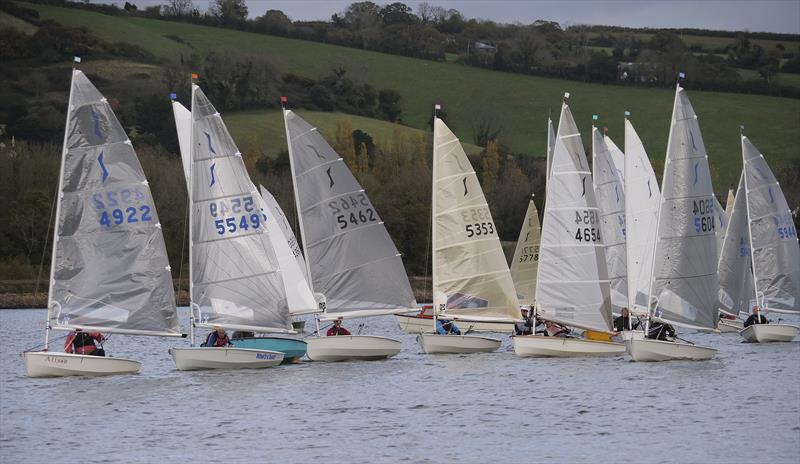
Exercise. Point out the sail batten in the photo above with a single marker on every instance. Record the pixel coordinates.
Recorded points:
(110, 269)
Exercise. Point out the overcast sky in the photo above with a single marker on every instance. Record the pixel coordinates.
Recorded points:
(752, 15)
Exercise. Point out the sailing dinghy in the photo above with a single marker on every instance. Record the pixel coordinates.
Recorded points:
(235, 278)
(109, 270)
(683, 288)
(350, 257)
(572, 285)
(525, 263)
(470, 276)
(774, 250)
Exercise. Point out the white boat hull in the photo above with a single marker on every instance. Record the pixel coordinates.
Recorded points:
(645, 349)
(558, 347)
(763, 333)
(436, 344)
(413, 324)
(730, 325)
(50, 364)
(351, 347)
(202, 358)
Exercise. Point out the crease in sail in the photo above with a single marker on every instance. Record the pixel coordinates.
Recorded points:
(641, 219)
(610, 195)
(471, 275)
(685, 286)
(236, 280)
(525, 262)
(774, 245)
(572, 286)
(352, 259)
(110, 265)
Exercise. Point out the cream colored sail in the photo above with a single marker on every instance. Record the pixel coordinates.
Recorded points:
(471, 279)
(525, 263)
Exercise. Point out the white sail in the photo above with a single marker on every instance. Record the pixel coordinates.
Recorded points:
(525, 262)
(183, 125)
(721, 225)
(610, 196)
(617, 157)
(729, 204)
(290, 258)
(110, 270)
(471, 278)
(736, 292)
(685, 286)
(551, 145)
(351, 257)
(573, 286)
(641, 219)
(775, 250)
(235, 276)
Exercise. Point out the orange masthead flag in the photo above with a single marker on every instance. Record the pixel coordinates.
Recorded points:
(194, 76)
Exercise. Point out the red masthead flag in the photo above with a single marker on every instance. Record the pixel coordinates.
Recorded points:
(284, 99)
(194, 76)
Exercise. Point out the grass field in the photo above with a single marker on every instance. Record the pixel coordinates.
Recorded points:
(519, 104)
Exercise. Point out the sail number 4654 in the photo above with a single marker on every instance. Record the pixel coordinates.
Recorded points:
(587, 234)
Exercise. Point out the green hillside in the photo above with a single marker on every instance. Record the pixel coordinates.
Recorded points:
(519, 104)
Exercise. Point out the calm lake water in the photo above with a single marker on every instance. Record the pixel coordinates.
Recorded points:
(744, 406)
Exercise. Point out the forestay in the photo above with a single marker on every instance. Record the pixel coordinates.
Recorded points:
(290, 258)
(641, 219)
(525, 262)
(736, 293)
(775, 250)
(610, 195)
(110, 266)
(352, 259)
(471, 278)
(234, 271)
(573, 286)
(685, 283)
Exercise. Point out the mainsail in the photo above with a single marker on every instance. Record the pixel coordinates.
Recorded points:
(775, 250)
(471, 278)
(573, 286)
(234, 271)
(525, 262)
(352, 259)
(610, 195)
(551, 145)
(641, 219)
(617, 157)
(183, 126)
(684, 288)
(736, 292)
(110, 267)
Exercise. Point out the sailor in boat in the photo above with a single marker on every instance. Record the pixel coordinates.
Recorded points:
(525, 326)
(80, 342)
(660, 331)
(218, 338)
(756, 318)
(556, 330)
(446, 326)
(622, 322)
(337, 329)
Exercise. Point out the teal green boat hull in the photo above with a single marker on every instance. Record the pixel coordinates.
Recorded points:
(292, 349)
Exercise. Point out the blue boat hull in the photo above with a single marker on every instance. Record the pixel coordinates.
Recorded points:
(293, 349)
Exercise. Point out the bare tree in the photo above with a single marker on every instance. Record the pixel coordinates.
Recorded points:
(178, 8)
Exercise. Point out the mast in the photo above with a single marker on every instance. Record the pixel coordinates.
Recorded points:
(297, 210)
(631, 304)
(48, 325)
(191, 209)
(749, 228)
(433, 220)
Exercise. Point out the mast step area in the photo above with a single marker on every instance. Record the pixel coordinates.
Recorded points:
(647, 350)
(202, 358)
(442, 344)
(763, 333)
(352, 348)
(558, 347)
(50, 364)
